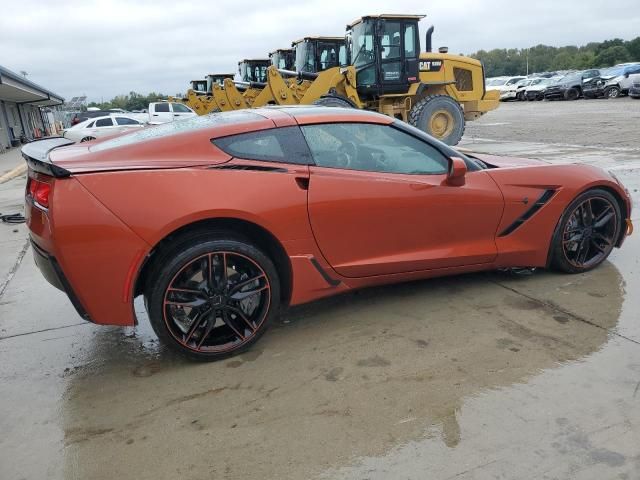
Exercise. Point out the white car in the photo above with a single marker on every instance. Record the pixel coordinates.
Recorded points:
(163, 112)
(505, 85)
(101, 127)
(620, 79)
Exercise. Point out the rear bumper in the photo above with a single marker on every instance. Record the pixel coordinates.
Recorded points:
(51, 271)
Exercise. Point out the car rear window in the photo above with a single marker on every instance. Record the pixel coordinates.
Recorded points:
(284, 145)
(180, 126)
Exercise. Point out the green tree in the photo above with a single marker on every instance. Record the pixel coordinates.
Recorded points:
(611, 56)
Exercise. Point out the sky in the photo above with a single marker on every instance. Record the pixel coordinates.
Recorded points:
(105, 48)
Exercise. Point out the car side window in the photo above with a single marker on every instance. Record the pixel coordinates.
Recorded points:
(372, 148)
(285, 145)
(90, 125)
(104, 122)
(162, 107)
(178, 107)
(126, 121)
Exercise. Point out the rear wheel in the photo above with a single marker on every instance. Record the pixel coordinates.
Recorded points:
(440, 116)
(212, 297)
(587, 232)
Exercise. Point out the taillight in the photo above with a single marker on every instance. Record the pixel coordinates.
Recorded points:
(39, 189)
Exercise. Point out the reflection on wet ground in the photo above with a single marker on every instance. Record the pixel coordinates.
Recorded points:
(431, 366)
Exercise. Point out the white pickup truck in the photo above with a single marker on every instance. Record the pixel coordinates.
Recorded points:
(164, 112)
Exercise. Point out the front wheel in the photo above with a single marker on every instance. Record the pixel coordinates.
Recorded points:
(87, 139)
(440, 116)
(612, 92)
(212, 298)
(572, 94)
(587, 232)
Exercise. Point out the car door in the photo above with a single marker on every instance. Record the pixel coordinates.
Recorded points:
(103, 127)
(181, 111)
(379, 203)
(126, 124)
(161, 113)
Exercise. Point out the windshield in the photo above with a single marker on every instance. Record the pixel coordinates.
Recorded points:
(362, 51)
(304, 57)
(612, 72)
(496, 82)
(572, 77)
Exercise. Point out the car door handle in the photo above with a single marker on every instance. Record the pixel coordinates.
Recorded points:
(303, 182)
(156, 114)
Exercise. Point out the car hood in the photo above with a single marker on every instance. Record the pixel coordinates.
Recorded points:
(498, 161)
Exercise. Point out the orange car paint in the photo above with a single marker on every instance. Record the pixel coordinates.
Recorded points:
(349, 229)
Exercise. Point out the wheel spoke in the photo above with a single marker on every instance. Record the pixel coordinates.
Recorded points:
(194, 326)
(603, 221)
(588, 212)
(239, 313)
(238, 286)
(223, 279)
(210, 324)
(226, 318)
(583, 251)
(238, 297)
(597, 246)
(209, 272)
(197, 303)
(575, 238)
(602, 214)
(605, 239)
(185, 290)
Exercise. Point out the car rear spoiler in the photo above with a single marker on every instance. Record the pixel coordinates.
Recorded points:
(36, 154)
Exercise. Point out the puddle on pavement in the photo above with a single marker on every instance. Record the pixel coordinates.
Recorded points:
(392, 377)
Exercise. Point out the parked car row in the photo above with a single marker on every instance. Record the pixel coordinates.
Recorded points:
(609, 83)
(100, 124)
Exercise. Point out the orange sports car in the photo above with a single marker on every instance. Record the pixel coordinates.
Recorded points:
(220, 220)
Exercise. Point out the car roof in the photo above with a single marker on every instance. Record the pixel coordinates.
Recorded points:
(308, 114)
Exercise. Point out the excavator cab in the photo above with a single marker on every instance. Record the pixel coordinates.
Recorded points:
(385, 51)
(283, 58)
(217, 79)
(199, 86)
(316, 54)
(253, 70)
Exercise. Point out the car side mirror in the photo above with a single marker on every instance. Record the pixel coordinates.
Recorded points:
(626, 75)
(457, 172)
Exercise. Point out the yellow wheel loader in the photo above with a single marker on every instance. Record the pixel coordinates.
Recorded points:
(283, 58)
(433, 91)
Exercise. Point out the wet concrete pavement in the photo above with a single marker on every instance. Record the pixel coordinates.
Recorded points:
(478, 376)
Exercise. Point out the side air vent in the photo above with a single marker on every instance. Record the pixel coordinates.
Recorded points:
(546, 196)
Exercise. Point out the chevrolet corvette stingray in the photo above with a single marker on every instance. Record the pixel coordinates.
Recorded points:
(219, 221)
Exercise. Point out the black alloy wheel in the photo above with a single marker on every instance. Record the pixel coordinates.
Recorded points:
(587, 232)
(214, 298)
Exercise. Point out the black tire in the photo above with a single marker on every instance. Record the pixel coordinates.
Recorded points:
(423, 113)
(214, 321)
(520, 96)
(333, 101)
(572, 94)
(87, 139)
(570, 232)
(612, 92)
